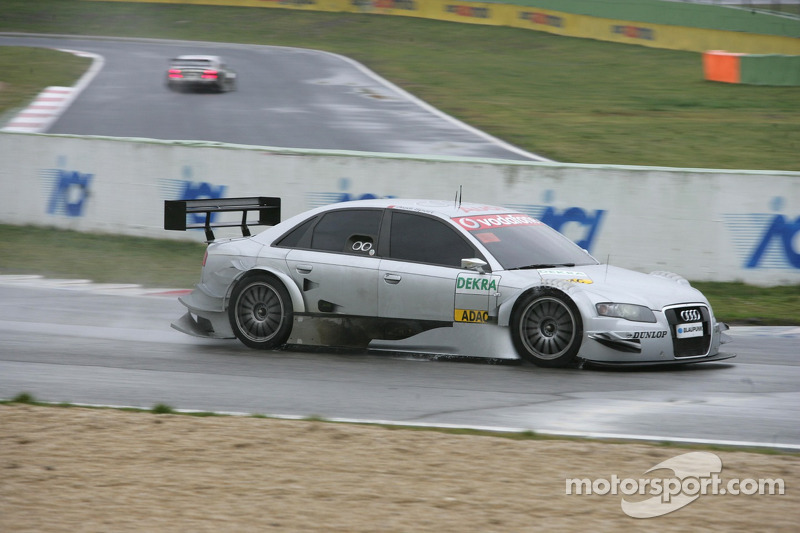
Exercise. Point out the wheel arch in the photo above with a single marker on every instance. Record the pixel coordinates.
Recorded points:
(294, 292)
(507, 308)
(547, 346)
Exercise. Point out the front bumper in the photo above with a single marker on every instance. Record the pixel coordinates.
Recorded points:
(619, 341)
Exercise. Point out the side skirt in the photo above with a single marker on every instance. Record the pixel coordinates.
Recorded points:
(354, 331)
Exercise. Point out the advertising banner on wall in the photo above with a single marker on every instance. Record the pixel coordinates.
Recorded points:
(689, 27)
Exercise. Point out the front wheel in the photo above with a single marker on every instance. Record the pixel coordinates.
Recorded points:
(261, 312)
(547, 329)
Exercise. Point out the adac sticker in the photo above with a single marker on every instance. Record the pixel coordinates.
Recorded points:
(472, 316)
(573, 276)
(482, 285)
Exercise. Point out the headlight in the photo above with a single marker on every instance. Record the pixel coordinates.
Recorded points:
(636, 313)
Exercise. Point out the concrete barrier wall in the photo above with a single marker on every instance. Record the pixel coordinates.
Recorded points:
(704, 224)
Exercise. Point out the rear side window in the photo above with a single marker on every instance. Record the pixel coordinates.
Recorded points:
(297, 238)
(348, 230)
(427, 240)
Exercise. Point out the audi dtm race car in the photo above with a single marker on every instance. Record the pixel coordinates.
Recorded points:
(200, 72)
(434, 277)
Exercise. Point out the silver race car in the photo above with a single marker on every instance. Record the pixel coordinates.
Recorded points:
(433, 277)
(200, 72)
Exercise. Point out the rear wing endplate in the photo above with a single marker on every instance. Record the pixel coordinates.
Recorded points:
(268, 208)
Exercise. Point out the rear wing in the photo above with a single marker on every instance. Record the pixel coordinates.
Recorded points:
(176, 211)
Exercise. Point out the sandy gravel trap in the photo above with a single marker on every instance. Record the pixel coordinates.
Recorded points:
(86, 470)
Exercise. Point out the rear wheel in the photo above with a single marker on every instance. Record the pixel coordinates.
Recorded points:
(261, 312)
(547, 329)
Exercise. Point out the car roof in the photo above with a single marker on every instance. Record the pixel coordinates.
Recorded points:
(197, 58)
(441, 208)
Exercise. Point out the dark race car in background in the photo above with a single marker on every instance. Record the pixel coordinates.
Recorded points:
(434, 277)
(193, 72)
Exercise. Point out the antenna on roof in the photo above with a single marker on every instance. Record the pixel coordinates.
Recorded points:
(458, 197)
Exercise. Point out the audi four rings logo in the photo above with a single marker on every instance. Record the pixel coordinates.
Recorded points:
(690, 315)
(362, 246)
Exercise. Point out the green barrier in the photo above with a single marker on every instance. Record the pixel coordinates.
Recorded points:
(770, 69)
(712, 17)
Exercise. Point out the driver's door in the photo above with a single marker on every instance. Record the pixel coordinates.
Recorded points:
(419, 276)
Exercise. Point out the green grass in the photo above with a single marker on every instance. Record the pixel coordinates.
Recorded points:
(176, 264)
(26, 71)
(162, 409)
(738, 303)
(100, 258)
(572, 100)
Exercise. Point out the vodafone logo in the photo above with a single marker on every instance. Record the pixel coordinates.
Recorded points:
(496, 221)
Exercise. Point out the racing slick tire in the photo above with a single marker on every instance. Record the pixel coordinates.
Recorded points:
(260, 312)
(546, 328)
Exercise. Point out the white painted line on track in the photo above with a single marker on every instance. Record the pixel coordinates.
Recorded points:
(488, 429)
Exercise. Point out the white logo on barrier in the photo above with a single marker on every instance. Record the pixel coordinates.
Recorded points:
(694, 474)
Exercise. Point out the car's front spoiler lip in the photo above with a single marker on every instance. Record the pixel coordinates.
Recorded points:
(721, 356)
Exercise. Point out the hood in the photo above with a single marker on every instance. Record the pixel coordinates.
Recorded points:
(604, 283)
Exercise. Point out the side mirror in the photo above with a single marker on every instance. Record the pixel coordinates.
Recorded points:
(478, 265)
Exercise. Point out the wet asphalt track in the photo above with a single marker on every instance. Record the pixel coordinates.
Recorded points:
(73, 343)
(286, 97)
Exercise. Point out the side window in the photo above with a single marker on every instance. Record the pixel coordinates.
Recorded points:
(297, 238)
(427, 240)
(349, 231)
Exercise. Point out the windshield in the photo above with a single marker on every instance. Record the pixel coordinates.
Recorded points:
(519, 241)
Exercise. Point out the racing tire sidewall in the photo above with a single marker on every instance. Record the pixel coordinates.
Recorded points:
(261, 302)
(547, 328)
